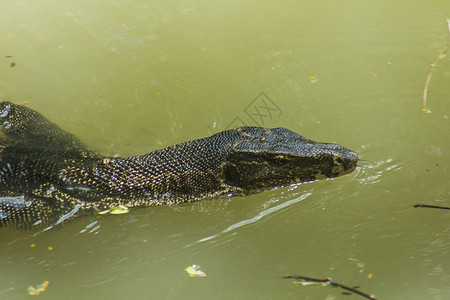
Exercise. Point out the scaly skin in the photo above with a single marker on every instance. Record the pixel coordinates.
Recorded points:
(47, 175)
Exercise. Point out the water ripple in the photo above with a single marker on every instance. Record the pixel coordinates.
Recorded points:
(259, 216)
(372, 173)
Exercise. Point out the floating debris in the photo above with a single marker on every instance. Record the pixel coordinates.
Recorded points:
(33, 291)
(431, 206)
(313, 79)
(440, 56)
(119, 210)
(195, 271)
(303, 281)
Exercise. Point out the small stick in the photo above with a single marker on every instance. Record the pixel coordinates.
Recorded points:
(431, 206)
(329, 282)
(441, 55)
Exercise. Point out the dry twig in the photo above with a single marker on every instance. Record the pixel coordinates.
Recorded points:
(441, 55)
(329, 282)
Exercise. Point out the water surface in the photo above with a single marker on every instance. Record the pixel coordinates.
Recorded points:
(128, 77)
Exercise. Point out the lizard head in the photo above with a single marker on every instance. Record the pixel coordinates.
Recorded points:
(266, 158)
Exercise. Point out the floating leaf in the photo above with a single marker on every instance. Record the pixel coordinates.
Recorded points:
(33, 291)
(119, 210)
(195, 271)
(313, 79)
(200, 273)
(191, 271)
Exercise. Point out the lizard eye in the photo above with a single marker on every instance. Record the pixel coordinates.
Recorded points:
(339, 161)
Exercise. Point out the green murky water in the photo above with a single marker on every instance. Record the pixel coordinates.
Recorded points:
(128, 77)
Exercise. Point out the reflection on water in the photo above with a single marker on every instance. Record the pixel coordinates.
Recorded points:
(91, 228)
(131, 76)
(256, 218)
